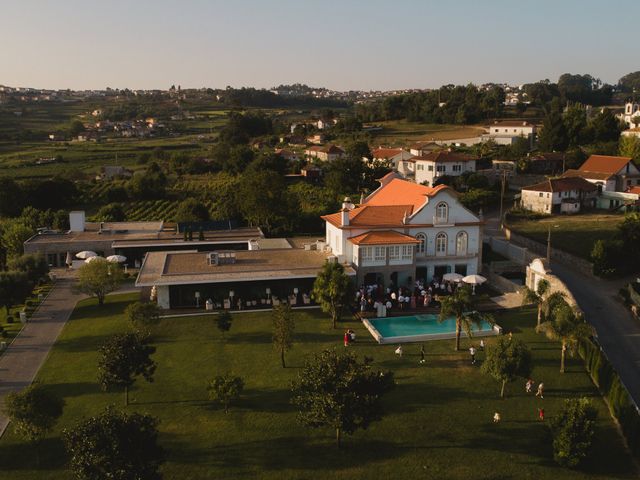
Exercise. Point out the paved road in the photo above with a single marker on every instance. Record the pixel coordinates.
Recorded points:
(618, 331)
(24, 357)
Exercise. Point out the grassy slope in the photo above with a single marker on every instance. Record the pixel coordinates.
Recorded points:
(438, 426)
(402, 132)
(574, 234)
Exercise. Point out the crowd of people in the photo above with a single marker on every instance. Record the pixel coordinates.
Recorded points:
(373, 297)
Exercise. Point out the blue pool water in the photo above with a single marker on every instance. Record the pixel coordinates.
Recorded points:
(413, 325)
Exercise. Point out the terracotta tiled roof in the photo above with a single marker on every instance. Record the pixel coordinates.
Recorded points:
(386, 152)
(373, 216)
(592, 175)
(635, 190)
(446, 156)
(384, 237)
(425, 145)
(401, 192)
(604, 164)
(562, 185)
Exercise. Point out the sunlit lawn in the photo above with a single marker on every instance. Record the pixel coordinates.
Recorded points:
(438, 426)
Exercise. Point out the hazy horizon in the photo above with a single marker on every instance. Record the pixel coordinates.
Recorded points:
(349, 45)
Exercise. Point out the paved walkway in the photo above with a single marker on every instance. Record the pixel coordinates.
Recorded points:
(24, 357)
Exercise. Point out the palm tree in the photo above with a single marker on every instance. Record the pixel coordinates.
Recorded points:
(566, 327)
(536, 297)
(460, 305)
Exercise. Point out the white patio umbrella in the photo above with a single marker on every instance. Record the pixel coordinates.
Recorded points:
(116, 258)
(474, 280)
(86, 254)
(452, 277)
(93, 259)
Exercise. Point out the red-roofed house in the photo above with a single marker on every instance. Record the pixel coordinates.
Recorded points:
(608, 173)
(404, 231)
(427, 168)
(392, 155)
(559, 195)
(326, 153)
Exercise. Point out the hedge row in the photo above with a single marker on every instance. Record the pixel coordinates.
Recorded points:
(608, 382)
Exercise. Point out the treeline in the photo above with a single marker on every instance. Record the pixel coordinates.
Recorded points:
(261, 98)
(583, 89)
(449, 104)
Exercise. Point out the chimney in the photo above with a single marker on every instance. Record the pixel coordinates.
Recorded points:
(76, 221)
(344, 217)
(346, 204)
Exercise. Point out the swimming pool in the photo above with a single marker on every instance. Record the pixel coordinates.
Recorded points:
(418, 328)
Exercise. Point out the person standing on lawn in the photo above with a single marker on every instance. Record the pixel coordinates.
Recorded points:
(472, 352)
(422, 359)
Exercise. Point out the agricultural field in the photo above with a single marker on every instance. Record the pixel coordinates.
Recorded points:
(437, 422)
(402, 132)
(574, 234)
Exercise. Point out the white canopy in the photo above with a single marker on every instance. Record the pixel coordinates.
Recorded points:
(452, 277)
(86, 254)
(93, 259)
(116, 259)
(474, 279)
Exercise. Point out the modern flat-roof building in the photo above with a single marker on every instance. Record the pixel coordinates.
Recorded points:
(132, 240)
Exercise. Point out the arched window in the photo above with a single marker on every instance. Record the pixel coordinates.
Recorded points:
(421, 248)
(442, 212)
(441, 244)
(462, 239)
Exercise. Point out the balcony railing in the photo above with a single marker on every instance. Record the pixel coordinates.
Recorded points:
(442, 221)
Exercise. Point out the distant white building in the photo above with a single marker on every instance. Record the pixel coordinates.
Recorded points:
(403, 232)
(608, 173)
(426, 169)
(631, 112)
(392, 155)
(505, 132)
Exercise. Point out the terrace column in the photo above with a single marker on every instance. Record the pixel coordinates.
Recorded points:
(163, 297)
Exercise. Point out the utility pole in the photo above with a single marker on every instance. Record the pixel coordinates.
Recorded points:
(549, 246)
(504, 178)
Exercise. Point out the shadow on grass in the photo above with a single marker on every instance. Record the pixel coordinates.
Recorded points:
(21, 455)
(299, 338)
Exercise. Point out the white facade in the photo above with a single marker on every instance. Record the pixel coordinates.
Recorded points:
(450, 239)
(631, 112)
(393, 156)
(427, 171)
(511, 129)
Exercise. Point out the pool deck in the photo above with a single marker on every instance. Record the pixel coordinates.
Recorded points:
(495, 330)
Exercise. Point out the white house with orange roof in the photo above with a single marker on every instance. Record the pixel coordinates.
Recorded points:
(428, 168)
(404, 231)
(608, 173)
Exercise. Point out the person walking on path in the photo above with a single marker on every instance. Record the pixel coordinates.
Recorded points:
(422, 360)
(472, 352)
(482, 345)
(540, 392)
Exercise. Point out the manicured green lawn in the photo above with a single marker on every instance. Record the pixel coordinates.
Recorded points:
(574, 234)
(438, 426)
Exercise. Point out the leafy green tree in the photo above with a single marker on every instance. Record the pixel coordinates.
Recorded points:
(112, 212)
(573, 430)
(14, 234)
(566, 327)
(606, 127)
(191, 210)
(143, 315)
(505, 360)
(223, 322)
(11, 197)
(98, 278)
(283, 328)
(225, 390)
(34, 265)
(536, 297)
(116, 446)
(629, 146)
(460, 305)
(123, 358)
(331, 289)
(553, 136)
(75, 128)
(33, 412)
(15, 287)
(630, 82)
(262, 199)
(335, 390)
(575, 122)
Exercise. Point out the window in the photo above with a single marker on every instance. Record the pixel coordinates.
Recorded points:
(422, 246)
(394, 252)
(380, 254)
(441, 244)
(366, 254)
(407, 252)
(496, 130)
(419, 166)
(541, 194)
(442, 211)
(462, 239)
(441, 168)
(430, 168)
(457, 168)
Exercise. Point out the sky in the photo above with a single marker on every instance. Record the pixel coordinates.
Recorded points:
(338, 44)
